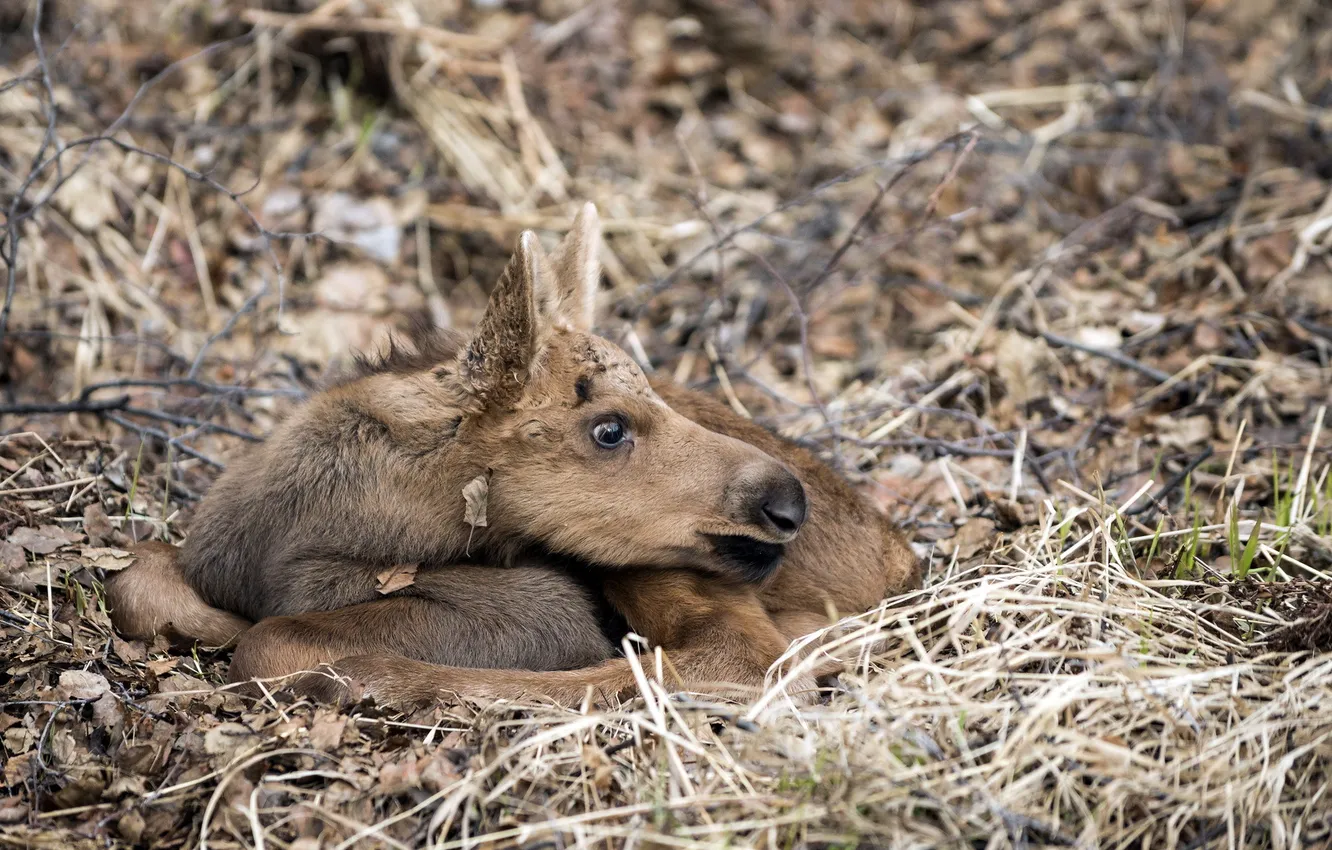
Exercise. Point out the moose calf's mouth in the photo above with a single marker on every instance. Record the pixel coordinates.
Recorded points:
(753, 559)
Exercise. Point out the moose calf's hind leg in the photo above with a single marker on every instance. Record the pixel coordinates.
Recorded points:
(717, 636)
(406, 628)
(152, 597)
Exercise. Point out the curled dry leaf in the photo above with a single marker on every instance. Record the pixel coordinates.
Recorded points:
(109, 559)
(396, 578)
(162, 666)
(476, 494)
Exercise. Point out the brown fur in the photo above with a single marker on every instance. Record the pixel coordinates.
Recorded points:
(370, 474)
(155, 576)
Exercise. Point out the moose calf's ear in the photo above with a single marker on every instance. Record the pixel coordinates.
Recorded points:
(495, 363)
(575, 276)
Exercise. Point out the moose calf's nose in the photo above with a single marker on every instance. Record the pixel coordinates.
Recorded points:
(784, 506)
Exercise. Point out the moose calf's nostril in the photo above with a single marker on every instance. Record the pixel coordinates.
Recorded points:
(780, 516)
(785, 506)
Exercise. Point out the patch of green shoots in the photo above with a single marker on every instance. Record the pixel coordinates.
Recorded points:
(1241, 560)
(1324, 523)
(1188, 552)
(1156, 541)
(134, 482)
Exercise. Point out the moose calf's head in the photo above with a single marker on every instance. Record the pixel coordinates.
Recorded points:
(584, 458)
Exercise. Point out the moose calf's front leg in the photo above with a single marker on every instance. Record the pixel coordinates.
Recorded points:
(714, 636)
(522, 617)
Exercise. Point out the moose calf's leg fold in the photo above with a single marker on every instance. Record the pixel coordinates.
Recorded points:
(717, 637)
(407, 683)
(474, 626)
(152, 597)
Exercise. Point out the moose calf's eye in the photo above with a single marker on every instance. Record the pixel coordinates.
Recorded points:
(609, 433)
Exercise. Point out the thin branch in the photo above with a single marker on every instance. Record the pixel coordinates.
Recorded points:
(227, 328)
(174, 442)
(201, 386)
(80, 406)
(904, 164)
(1104, 353)
(1157, 502)
(874, 204)
(9, 248)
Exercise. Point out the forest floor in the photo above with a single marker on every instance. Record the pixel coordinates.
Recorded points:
(1049, 278)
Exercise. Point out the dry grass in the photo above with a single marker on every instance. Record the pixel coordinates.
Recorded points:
(1050, 279)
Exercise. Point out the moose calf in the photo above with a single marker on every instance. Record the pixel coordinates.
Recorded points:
(614, 502)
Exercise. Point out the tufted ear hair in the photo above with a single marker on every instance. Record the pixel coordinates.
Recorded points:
(495, 365)
(575, 273)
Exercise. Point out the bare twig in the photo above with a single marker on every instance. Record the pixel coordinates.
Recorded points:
(201, 386)
(84, 405)
(173, 442)
(226, 329)
(1104, 353)
(1157, 502)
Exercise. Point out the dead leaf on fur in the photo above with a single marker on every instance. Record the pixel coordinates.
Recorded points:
(477, 495)
(396, 578)
(109, 559)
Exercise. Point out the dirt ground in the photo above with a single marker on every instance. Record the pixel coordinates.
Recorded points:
(1050, 279)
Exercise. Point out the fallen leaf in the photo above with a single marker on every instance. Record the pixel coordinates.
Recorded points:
(396, 578)
(227, 738)
(12, 557)
(1184, 432)
(130, 826)
(97, 525)
(403, 775)
(161, 666)
(107, 711)
(599, 765)
(476, 495)
(1208, 338)
(1101, 338)
(326, 731)
(131, 652)
(970, 539)
(369, 225)
(44, 540)
(1020, 364)
(79, 684)
(360, 287)
(13, 810)
(438, 772)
